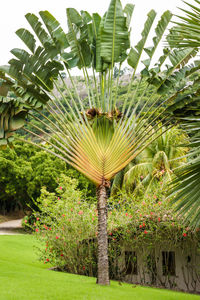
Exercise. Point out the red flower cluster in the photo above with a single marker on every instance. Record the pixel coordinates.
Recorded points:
(142, 225)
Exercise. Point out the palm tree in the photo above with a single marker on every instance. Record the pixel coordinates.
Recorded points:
(92, 135)
(157, 162)
(186, 187)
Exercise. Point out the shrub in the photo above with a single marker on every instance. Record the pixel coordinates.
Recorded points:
(66, 222)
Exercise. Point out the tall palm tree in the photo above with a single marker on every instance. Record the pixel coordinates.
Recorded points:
(92, 135)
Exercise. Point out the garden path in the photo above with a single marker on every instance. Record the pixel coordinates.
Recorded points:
(10, 227)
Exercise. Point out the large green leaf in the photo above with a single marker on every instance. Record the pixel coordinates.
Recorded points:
(159, 30)
(128, 10)
(27, 38)
(79, 49)
(55, 30)
(12, 117)
(36, 25)
(114, 34)
(135, 53)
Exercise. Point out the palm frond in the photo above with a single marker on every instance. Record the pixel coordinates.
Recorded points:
(185, 188)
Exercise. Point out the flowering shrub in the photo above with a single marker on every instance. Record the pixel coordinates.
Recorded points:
(67, 227)
(64, 222)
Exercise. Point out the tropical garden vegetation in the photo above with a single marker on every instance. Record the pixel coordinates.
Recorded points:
(104, 133)
(66, 225)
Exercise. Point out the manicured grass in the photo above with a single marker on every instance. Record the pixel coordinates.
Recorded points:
(22, 277)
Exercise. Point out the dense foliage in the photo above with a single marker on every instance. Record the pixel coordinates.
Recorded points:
(25, 169)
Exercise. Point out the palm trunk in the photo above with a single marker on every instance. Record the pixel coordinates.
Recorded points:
(102, 238)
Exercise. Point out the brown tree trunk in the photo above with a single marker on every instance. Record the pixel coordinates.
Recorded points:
(102, 238)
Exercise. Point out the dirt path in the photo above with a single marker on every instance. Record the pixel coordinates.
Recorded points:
(10, 227)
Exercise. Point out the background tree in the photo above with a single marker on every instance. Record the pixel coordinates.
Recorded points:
(25, 169)
(157, 163)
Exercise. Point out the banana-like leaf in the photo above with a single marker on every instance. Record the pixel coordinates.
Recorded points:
(80, 49)
(12, 117)
(36, 25)
(55, 30)
(27, 38)
(112, 39)
(135, 53)
(114, 34)
(4, 88)
(98, 63)
(128, 10)
(159, 30)
(178, 58)
(96, 22)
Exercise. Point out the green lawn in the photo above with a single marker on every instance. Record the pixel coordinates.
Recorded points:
(22, 277)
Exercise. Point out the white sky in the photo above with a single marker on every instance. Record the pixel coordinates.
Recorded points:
(12, 16)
